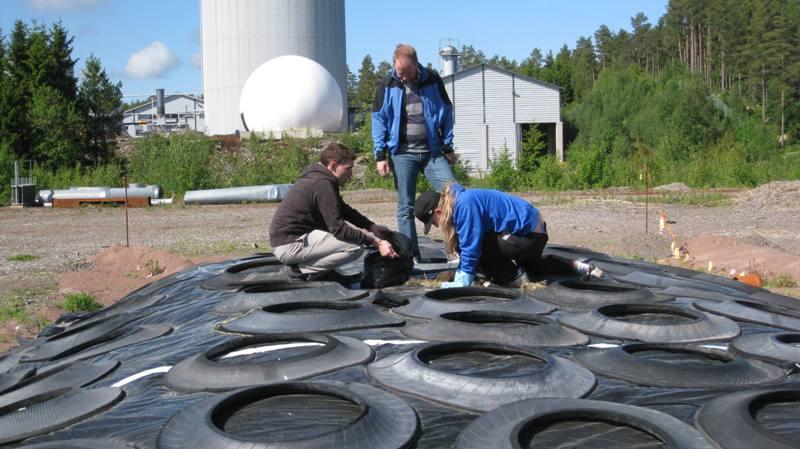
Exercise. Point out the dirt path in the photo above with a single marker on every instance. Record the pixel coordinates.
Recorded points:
(63, 242)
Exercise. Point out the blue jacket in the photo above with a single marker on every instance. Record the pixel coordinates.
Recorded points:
(478, 211)
(388, 107)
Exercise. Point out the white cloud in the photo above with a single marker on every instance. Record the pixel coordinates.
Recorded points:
(62, 5)
(197, 60)
(152, 61)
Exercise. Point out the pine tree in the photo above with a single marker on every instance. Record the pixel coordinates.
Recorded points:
(352, 85)
(63, 76)
(367, 83)
(39, 61)
(54, 123)
(14, 97)
(584, 67)
(532, 65)
(101, 106)
(470, 57)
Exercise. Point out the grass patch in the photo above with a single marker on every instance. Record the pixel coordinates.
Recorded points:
(18, 304)
(13, 308)
(190, 248)
(80, 302)
(21, 258)
(782, 280)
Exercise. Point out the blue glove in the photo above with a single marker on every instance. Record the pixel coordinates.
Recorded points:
(462, 280)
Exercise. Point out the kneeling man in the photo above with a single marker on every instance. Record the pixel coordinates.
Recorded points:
(309, 233)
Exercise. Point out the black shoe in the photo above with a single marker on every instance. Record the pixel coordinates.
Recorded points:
(516, 282)
(292, 273)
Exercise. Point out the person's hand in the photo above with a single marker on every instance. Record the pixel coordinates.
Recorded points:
(462, 279)
(380, 231)
(385, 248)
(383, 168)
(451, 157)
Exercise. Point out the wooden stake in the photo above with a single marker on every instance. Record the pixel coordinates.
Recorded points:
(646, 198)
(127, 228)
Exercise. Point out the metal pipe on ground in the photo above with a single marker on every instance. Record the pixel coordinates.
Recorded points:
(103, 193)
(267, 193)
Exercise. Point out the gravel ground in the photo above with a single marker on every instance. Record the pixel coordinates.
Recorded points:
(62, 238)
(609, 221)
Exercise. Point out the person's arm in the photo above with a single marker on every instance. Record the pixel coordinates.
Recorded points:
(328, 204)
(380, 123)
(469, 229)
(447, 119)
(356, 218)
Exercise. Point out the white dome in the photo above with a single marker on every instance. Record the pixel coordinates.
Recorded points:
(291, 92)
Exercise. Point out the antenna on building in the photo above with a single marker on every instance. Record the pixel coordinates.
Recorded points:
(448, 51)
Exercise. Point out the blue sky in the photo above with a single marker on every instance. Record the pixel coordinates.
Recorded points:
(150, 44)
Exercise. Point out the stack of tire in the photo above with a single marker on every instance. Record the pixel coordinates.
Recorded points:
(229, 355)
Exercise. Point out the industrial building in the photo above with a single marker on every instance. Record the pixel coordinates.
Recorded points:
(165, 113)
(239, 37)
(493, 107)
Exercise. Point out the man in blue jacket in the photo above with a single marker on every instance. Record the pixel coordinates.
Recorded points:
(412, 132)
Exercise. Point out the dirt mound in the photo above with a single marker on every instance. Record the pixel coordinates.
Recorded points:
(118, 270)
(775, 195)
(728, 253)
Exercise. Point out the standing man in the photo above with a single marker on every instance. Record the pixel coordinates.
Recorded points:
(309, 233)
(412, 132)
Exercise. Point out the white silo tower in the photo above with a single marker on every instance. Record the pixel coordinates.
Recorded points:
(240, 35)
(449, 54)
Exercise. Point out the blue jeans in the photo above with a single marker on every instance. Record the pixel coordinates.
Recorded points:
(405, 169)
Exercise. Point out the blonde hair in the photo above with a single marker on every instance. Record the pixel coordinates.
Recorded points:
(447, 205)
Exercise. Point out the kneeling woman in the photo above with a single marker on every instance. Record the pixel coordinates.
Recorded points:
(495, 233)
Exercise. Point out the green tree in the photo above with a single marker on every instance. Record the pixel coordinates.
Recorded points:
(367, 83)
(532, 65)
(40, 61)
(584, 67)
(54, 124)
(352, 85)
(63, 78)
(470, 57)
(100, 102)
(14, 97)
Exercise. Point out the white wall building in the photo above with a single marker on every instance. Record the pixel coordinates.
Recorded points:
(492, 107)
(181, 111)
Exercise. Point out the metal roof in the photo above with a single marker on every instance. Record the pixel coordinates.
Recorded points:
(509, 72)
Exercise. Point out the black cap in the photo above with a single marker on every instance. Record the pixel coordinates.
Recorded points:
(424, 207)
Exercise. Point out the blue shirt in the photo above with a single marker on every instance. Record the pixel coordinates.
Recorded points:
(478, 211)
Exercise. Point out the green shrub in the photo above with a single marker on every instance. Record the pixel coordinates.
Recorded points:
(178, 162)
(502, 173)
(782, 280)
(103, 175)
(264, 161)
(80, 302)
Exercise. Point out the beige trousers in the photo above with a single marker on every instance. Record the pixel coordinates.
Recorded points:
(317, 252)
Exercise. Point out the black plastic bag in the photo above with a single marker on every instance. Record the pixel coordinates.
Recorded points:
(380, 272)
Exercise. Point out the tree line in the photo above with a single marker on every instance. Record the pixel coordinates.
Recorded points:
(707, 78)
(750, 49)
(708, 94)
(46, 113)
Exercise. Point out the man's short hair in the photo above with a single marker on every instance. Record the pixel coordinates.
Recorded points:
(405, 51)
(336, 152)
